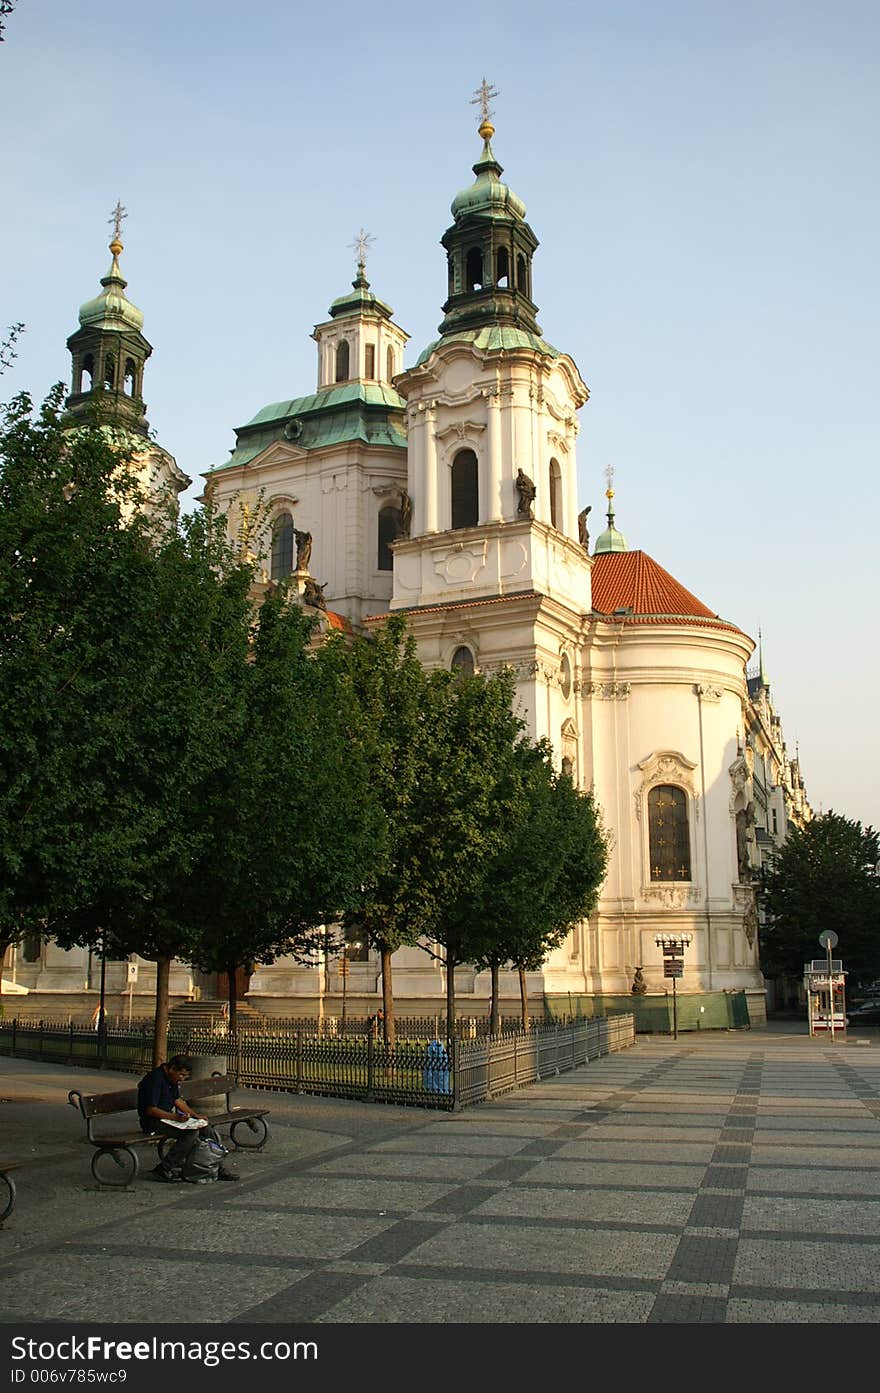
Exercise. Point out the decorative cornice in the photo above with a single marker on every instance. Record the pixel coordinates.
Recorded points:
(461, 430)
(672, 896)
(666, 767)
(607, 691)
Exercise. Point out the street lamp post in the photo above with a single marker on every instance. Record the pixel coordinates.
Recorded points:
(673, 966)
(343, 972)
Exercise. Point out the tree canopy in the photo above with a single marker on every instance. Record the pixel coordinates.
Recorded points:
(826, 875)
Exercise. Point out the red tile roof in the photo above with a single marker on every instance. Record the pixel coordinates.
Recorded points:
(632, 581)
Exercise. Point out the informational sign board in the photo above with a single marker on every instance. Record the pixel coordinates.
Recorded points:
(673, 967)
(132, 972)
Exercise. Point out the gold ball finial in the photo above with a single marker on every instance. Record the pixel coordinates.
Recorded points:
(487, 130)
(116, 246)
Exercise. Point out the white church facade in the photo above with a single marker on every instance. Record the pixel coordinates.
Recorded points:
(447, 490)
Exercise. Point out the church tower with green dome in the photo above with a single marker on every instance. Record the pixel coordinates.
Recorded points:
(108, 355)
(491, 413)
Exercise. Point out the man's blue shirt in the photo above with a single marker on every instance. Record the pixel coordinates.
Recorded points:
(156, 1090)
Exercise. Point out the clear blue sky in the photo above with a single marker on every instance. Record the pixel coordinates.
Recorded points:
(703, 181)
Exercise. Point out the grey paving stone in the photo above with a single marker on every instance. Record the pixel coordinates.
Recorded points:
(548, 1248)
(598, 1206)
(820, 1265)
(703, 1259)
(669, 1309)
(725, 1177)
(717, 1211)
(778, 1180)
(303, 1301)
(805, 1214)
(392, 1298)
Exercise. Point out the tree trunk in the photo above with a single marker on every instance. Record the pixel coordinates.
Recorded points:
(233, 1060)
(5, 944)
(450, 997)
(160, 1023)
(390, 1033)
(524, 997)
(494, 1009)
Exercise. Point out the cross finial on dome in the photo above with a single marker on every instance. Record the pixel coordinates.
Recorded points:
(116, 217)
(484, 94)
(361, 246)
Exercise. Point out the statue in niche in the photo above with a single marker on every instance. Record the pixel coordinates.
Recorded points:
(406, 509)
(303, 549)
(639, 986)
(743, 864)
(313, 594)
(583, 532)
(525, 487)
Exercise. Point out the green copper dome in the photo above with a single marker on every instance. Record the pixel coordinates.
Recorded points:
(360, 299)
(610, 539)
(111, 309)
(487, 197)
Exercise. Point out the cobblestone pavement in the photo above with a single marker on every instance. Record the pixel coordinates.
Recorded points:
(731, 1178)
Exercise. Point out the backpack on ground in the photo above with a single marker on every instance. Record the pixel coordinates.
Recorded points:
(204, 1160)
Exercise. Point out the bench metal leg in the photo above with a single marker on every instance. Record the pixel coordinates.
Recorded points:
(251, 1139)
(115, 1165)
(7, 1196)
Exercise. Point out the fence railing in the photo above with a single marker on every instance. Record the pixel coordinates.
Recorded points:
(428, 1073)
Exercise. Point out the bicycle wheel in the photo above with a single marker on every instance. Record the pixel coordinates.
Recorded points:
(7, 1196)
(249, 1133)
(114, 1165)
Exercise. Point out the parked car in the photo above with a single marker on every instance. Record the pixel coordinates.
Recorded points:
(867, 1013)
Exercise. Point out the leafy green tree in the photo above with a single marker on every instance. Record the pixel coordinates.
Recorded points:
(292, 827)
(396, 699)
(71, 575)
(466, 801)
(174, 698)
(545, 876)
(826, 875)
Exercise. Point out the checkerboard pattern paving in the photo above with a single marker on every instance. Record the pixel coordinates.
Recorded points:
(728, 1179)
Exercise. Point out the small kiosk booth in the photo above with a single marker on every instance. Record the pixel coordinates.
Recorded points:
(824, 984)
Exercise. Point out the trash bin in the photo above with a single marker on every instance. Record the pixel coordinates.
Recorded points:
(203, 1066)
(435, 1075)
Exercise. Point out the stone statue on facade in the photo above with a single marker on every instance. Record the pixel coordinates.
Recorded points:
(303, 549)
(525, 487)
(406, 510)
(639, 986)
(583, 532)
(313, 594)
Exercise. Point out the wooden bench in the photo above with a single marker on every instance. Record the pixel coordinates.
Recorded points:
(115, 1158)
(7, 1189)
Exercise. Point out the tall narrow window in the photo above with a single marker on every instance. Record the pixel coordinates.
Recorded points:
(521, 276)
(555, 494)
(465, 492)
(130, 376)
(370, 360)
(282, 546)
(502, 267)
(342, 361)
(110, 371)
(390, 528)
(88, 373)
(668, 836)
(390, 360)
(474, 269)
(463, 662)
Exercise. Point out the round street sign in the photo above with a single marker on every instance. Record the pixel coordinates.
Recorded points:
(828, 938)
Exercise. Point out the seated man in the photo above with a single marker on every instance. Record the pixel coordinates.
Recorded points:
(160, 1106)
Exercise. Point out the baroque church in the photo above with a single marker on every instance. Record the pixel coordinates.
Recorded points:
(447, 490)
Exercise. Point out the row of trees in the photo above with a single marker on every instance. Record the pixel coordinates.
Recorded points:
(185, 773)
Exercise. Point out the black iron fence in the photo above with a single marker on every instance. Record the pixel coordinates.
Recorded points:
(433, 1072)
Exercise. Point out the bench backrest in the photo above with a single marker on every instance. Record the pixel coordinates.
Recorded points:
(125, 1099)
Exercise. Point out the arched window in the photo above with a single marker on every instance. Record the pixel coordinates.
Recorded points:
(474, 269)
(390, 528)
(668, 836)
(31, 946)
(465, 493)
(555, 494)
(390, 359)
(450, 267)
(110, 371)
(463, 662)
(521, 276)
(502, 267)
(282, 546)
(130, 376)
(342, 361)
(88, 368)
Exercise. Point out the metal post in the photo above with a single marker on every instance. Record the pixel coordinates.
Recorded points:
(102, 1010)
(674, 1011)
(830, 992)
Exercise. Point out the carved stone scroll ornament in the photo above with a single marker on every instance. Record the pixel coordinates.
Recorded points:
(608, 691)
(672, 896)
(666, 767)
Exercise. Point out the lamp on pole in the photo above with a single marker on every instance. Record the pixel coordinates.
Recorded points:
(343, 972)
(673, 946)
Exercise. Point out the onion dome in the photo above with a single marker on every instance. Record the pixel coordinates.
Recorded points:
(487, 197)
(610, 539)
(112, 309)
